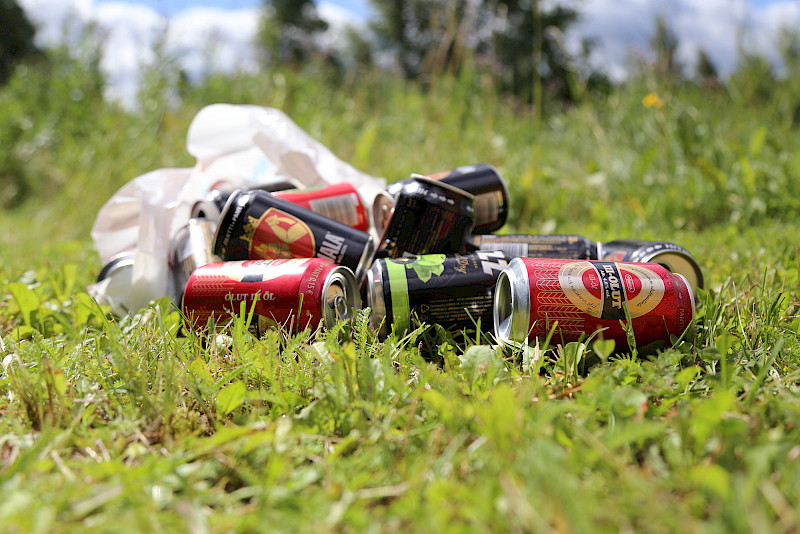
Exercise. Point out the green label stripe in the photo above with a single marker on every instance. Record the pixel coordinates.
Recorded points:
(398, 286)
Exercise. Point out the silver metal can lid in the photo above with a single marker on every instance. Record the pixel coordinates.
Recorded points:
(340, 296)
(381, 210)
(512, 303)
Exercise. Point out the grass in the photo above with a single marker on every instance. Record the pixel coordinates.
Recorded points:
(113, 424)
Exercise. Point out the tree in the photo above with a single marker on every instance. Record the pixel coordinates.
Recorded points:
(705, 70)
(519, 41)
(16, 38)
(288, 28)
(529, 47)
(665, 44)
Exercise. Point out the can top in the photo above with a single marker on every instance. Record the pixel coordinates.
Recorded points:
(381, 208)
(340, 296)
(512, 303)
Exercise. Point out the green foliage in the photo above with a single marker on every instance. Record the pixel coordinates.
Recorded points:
(141, 424)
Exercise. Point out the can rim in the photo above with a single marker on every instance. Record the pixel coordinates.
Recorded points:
(453, 189)
(225, 216)
(376, 299)
(366, 259)
(506, 198)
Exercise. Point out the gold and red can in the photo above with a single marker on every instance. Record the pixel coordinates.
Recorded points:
(584, 297)
(340, 202)
(290, 293)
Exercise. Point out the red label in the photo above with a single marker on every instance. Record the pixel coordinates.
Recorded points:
(277, 234)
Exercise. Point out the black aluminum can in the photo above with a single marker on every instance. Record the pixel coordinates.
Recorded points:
(211, 206)
(428, 217)
(673, 257)
(482, 180)
(191, 247)
(573, 247)
(257, 225)
(455, 291)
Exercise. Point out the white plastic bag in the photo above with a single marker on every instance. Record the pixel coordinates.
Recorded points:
(240, 146)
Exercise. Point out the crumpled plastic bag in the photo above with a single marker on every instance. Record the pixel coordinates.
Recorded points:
(235, 145)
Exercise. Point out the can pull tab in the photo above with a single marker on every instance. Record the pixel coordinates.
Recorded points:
(339, 309)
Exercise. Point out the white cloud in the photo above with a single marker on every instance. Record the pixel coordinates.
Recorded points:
(624, 27)
(219, 40)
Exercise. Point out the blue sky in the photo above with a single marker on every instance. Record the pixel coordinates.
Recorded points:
(172, 7)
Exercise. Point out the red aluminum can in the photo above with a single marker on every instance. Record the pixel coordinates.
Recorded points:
(587, 296)
(288, 293)
(340, 202)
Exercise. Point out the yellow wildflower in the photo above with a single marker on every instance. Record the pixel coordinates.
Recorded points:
(652, 100)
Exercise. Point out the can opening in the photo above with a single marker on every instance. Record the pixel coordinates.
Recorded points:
(503, 307)
(340, 297)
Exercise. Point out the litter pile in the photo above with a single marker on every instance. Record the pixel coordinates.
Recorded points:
(270, 222)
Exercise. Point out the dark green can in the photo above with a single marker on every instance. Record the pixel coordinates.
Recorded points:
(454, 290)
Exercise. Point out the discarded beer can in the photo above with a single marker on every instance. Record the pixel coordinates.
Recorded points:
(285, 293)
(482, 180)
(119, 265)
(455, 291)
(210, 207)
(428, 217)
(674, 257)
(340, 202)
(257, 225)
(190, 248)
(578, 298)
(573, 247)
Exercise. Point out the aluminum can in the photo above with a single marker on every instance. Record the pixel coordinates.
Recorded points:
(428, 218)
(573, 247)
(257, 225)
(482, 180)
(190, 248)
(674, 257)
(587, 296)
(455, 291)
(291, 293)
(340, 202)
